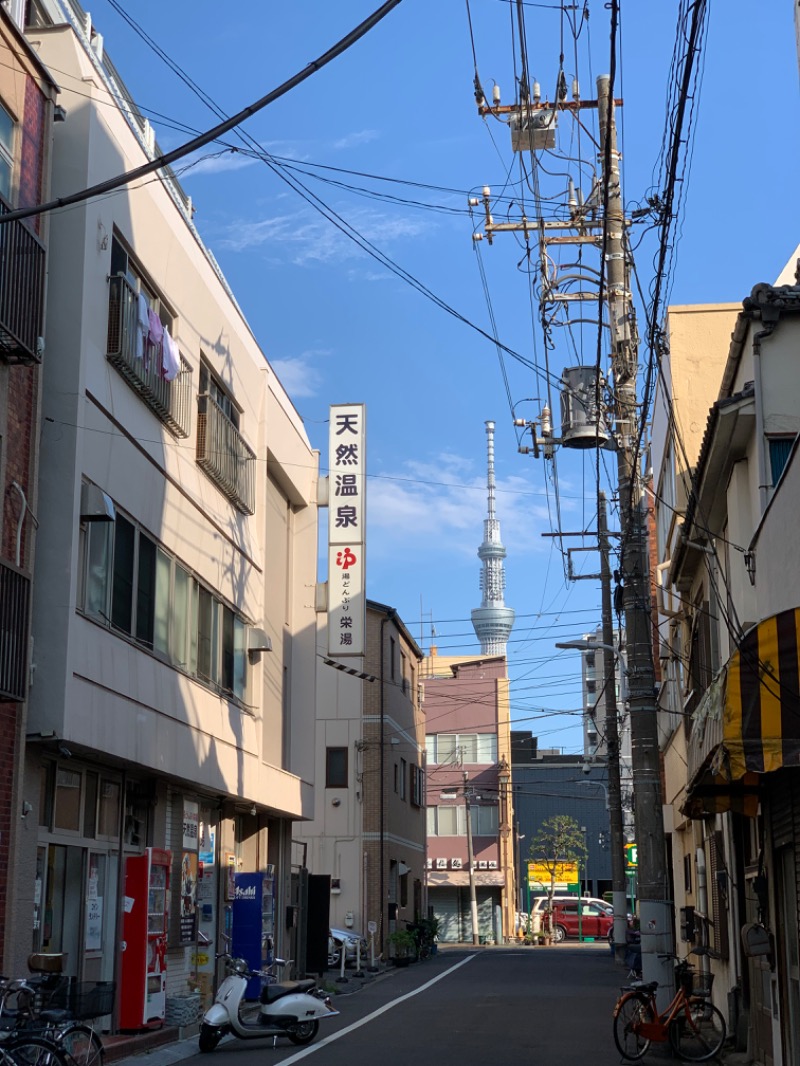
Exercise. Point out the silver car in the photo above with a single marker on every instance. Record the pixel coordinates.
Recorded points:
(350, 940)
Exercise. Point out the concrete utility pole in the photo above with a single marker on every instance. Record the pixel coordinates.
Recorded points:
(654, 909)
(618, 886)
(473, 898)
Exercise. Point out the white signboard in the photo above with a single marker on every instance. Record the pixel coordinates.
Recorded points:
(347, 530)
(191, 817)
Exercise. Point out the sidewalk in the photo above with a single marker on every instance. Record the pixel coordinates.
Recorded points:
(171, 1044)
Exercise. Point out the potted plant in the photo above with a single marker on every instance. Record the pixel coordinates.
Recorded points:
(403, 947)
(430, 928)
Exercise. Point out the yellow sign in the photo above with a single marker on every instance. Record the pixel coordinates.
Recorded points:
(539, 873)
(631, 855)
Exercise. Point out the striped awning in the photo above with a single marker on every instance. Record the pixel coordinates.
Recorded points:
(761, 724)
(756, 706)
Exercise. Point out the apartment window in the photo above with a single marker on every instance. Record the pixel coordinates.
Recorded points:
(336, 768)
(392, 657)
(130, 583)
(451, 821)
(687, 873)
(6, 152)
(458, 748)
(403, 778)
(221, 450)
(417, 790)
(143, 351)
(779, 451)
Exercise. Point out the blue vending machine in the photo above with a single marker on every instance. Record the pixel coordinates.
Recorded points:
(253, 929)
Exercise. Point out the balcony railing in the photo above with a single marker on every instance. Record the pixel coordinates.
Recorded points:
(223, 454)
(15, 592)
(22, 267)
(171, 401)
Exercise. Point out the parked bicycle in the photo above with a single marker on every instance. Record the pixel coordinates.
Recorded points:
(693, 1025)
(55, 1009)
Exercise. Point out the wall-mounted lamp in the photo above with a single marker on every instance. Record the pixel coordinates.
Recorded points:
(336, 802)
(27, 807)
(254, 810)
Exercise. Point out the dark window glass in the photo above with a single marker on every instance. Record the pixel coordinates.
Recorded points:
(122, 595)
(779, 449)
(336, 768)
(205, 634)
(227, 649)
(90, 806)
(146, 591)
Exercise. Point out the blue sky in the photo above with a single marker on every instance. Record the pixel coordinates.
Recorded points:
(339, 326)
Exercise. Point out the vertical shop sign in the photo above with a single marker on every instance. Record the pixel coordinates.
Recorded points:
(188, 897)
(347, 530)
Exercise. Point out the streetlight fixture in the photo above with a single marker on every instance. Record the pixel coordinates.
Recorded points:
(614, 791)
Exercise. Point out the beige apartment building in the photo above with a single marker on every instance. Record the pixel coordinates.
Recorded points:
(174, 678)
(368, 830)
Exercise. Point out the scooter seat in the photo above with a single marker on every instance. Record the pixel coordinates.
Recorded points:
(269, 993)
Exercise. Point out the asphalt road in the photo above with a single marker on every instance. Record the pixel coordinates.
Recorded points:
(537, 1006)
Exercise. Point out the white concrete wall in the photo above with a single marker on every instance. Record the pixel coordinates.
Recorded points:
(95, 688)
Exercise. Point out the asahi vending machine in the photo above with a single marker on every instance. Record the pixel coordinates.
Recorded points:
(254, 922)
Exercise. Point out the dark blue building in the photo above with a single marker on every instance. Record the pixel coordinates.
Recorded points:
(545, 785)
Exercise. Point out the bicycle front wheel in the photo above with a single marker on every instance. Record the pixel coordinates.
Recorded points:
(631, 1012)
(82, 1044)
(698, 1032)
(35, 1051)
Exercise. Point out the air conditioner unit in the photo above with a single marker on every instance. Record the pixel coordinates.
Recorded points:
(533, 130)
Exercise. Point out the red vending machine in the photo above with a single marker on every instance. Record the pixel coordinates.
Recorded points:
(143, 998)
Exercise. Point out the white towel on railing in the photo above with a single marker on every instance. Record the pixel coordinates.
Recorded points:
(142, 324)
(170, 357)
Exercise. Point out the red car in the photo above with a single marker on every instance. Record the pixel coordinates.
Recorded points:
(593, 921)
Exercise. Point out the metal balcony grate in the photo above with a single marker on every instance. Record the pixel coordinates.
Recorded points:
(223, 454)
(171, 401)
(15, 591)
(22, 268)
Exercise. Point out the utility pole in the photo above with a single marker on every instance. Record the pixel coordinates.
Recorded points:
(473, 898)
(604, 230)
(618, 886)
(654, 909)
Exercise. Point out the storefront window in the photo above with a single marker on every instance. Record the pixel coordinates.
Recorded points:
(68, 800)
(108, 809)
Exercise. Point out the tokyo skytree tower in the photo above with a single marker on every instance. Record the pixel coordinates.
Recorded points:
(492, 621)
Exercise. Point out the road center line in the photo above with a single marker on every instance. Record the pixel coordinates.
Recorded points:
(375, 1014)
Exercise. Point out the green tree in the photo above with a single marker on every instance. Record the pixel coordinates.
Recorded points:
(559, 840)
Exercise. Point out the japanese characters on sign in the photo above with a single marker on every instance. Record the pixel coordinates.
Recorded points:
(346, 530)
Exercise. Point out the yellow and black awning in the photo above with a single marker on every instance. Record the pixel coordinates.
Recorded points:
(757, 703)
(761, 724)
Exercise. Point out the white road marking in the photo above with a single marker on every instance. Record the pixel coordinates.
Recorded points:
(375, 1014)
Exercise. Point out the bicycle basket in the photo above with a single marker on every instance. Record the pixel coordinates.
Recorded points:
(84, 1000)
(701, 984)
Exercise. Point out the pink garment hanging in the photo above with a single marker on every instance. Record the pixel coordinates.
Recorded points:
(156, 330)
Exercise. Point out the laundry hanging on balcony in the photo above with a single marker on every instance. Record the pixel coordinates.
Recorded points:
(170, 357)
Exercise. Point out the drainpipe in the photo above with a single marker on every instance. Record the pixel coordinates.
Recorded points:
(763, 483)
(702, 902)
(381, 927)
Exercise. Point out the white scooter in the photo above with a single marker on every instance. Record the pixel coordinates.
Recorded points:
(286, 1008)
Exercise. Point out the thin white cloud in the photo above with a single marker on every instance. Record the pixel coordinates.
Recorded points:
(214, 163)
(298, 375)
(306, 238)
(440, 504)
(352, 140)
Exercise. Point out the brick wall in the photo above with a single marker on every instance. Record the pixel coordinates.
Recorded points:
(9, 739)
(32, 155)
(20, 440)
